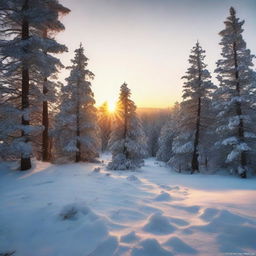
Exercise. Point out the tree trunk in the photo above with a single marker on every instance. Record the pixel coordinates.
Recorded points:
(243, 157)
(206, 162)
(50, 148)
(125, 151)
(195, 162)
(45, 123)
(25, 162)
(45, 120)
(78, 144)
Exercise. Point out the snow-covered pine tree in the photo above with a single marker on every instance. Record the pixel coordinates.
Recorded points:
(127, 141)
(76, 124)
(104, 117)
(48, 90)
(45, 90)
(8, 117)
(193, 116)
(152, 122)
(235, 97)
(167, 135)
(24, 59)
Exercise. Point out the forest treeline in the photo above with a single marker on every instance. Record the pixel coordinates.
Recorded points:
(212, 128)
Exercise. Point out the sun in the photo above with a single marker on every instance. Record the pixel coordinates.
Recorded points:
(111, 106)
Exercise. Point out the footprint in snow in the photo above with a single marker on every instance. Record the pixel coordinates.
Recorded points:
(43, 183)
(191, 209)
(175, 189)
(166, 187)
(97, 169)
(123, 215)
(133, 178)
(178, 221)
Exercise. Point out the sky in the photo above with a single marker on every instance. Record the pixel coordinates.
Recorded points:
(146, 43)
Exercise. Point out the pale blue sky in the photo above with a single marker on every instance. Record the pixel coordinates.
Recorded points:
(147, 42)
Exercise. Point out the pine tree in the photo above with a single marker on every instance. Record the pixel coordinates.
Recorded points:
(235, 97)
(24, 60)
(193, 116)
(152, 122)
(48, 89)
(76, 124)
(168, 132)
(127, 141)
(104, 124)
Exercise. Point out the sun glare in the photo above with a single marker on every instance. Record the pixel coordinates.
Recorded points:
(111, 106)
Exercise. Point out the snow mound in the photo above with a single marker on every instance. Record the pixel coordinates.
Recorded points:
(150, 247)
(209, 214)
(130, 238)
(81, 223)
(225, 220)
(133, 178)
(179, 246)
(85, 213)
(106, 248)
(163, 196)
(234, 232)
(158, 224)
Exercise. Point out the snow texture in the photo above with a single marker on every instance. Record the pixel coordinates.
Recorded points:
(71, 210)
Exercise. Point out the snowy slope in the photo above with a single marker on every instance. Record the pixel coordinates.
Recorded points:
(79, 210)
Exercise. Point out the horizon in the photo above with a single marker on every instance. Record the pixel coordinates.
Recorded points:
(144, 43)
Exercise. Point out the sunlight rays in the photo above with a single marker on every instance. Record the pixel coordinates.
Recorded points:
(111, 106)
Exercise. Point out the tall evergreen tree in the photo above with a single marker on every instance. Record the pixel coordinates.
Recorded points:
(127, 141)
(24, 60)
(235, 96)
(193, 113)
(152, 123)
(104, 117)
(76, 123)
(168, 132)
(48, 89)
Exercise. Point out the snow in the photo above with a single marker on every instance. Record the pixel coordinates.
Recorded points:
(158, 224)
(129, 238)
(179, 246)
(72, 209)
(164, 196)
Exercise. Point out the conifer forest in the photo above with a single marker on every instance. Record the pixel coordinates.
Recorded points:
(83, 174)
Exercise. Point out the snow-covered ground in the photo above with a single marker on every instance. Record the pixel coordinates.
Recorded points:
(79, 210)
